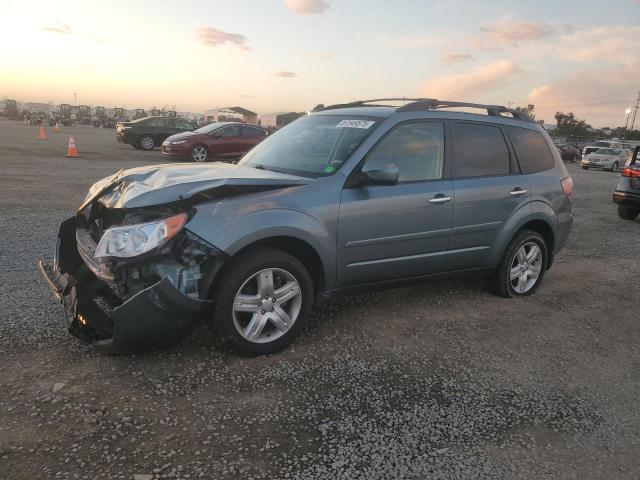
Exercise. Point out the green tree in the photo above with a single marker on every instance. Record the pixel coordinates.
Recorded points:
(569, 126)
(529, 109)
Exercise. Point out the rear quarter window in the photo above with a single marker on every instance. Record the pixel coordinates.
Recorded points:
(531, 149)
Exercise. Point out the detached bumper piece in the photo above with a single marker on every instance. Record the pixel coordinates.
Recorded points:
(157, 316)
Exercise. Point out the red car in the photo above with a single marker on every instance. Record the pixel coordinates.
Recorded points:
(225, 141)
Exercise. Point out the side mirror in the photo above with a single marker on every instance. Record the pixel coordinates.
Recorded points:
(375, 176)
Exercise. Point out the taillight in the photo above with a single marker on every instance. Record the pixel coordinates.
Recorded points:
(630, 172)
(567, 188)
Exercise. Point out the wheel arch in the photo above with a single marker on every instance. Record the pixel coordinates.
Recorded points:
(540, 221)
(298, 248)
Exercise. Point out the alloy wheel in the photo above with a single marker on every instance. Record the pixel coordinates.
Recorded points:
(199, 153)
(526, 267)
(267, 305)
(146, 143)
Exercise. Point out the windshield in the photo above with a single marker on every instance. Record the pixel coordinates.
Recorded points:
(602, 144)
(209, 128)
(312, 146)
(607, 151)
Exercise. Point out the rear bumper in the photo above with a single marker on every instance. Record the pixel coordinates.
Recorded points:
(562, 235)
(626, 199)
(157, 316)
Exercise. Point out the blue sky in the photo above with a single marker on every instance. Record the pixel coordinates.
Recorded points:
(272, 55)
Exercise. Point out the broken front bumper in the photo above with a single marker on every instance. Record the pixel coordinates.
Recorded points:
(159, 315)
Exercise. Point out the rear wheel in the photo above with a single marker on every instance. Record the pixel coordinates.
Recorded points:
(614, 167)
(522, 267)
(198, 153)
(628, 213)
(262, 300)
(146, 142)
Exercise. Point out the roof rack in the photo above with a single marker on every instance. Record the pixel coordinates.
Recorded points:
(418, 104)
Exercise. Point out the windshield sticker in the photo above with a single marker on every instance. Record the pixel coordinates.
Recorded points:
(329, 169)
(355, 124)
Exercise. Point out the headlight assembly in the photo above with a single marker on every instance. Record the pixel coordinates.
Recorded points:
(132, 240)
(177, 142)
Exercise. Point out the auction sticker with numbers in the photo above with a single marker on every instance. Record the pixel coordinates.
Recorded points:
(355, 124)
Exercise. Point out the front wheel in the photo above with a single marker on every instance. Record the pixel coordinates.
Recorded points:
(522, 266)
(146, 142)
(614, 167)
(628, 213)
(585, 168)
(198, 153)
(262, 300)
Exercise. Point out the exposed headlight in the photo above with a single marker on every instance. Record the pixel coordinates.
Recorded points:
(177, 142)
(133, 240)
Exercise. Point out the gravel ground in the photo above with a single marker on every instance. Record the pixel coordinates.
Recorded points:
(440, 380)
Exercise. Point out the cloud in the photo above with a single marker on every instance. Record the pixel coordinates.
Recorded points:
(318, 55)
(307, 7)
(486, 78)
(284, 74)
(599, 96)
(449, 58)
(418, 41)
(62, 28)
(509, 32)
(605, 44)
(212, 37)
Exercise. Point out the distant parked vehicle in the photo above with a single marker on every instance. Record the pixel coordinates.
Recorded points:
(601, 144)
(148, 133)
(569, 153)
(627, 194)
(607, 158)
(217, 141)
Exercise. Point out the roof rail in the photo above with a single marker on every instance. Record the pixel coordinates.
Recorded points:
(418, 104)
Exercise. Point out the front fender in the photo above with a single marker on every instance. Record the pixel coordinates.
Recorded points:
(277, 222)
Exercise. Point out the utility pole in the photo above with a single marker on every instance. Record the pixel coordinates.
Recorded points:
(635, 110)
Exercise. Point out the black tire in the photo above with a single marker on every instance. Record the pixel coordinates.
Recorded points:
(146, 142)
(500, 282)
(230, 282)
(585, 168)
(196, 152)
(614, 167)
(628, 213)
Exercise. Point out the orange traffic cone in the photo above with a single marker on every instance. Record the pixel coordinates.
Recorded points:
(72, 152)
(56, 128)
(42, 135)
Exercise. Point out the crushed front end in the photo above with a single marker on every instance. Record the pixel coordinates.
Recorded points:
(128, 304)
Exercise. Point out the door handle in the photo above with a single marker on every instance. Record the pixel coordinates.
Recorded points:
(438, 199)
(517, 192)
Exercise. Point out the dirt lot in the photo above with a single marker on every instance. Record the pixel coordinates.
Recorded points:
(441, 380)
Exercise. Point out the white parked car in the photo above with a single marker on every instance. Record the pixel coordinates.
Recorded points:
(601, 144)
(607, 158)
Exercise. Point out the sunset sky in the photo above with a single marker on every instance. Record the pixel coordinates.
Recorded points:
(274, 55)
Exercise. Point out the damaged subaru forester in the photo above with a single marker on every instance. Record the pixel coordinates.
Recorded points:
(352, 197)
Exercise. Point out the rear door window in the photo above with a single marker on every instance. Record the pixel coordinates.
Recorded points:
(479, 151)
(232, 131)
(531, 149)
(251, 132)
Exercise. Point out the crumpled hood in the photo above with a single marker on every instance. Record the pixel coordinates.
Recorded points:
(160, 184)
